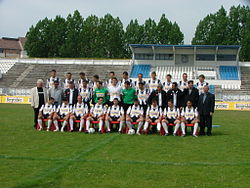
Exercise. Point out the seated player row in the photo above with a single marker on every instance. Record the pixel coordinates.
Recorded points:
(153, 116)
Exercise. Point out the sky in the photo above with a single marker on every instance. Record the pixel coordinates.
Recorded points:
(16, 16)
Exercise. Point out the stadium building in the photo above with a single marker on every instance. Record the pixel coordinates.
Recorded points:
(227, 76)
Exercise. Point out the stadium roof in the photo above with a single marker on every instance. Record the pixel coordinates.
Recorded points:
(184, 46)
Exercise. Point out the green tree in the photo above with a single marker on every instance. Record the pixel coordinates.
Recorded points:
(149, 32)
(163, 30)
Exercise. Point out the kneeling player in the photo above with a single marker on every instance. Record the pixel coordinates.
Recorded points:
(171, 115)
(63, 113)
(80, 112)
(115, 113)
(46, 112)
(153, 115)
(97, 113)
(189, 115)
(135, 114)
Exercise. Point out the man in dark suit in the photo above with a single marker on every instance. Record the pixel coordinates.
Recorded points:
(71, 93)
(190, 94)
(160, 95)
(175, 94)
(206, 105)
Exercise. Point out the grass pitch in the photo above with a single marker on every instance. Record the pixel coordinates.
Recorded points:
(29, 158)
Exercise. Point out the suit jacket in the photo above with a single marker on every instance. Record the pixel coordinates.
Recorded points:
(193, 96)
(35, 98)
(75, 95)
(208, 105)
(179, 96)
(154, 94)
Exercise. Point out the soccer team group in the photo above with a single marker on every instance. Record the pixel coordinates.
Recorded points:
(139, 106)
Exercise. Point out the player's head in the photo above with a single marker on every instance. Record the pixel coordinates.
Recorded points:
(189, 103)
(184, 76)
(201, 78)
(125, 75)
(95, 78)
(114, 81)
(84, 83)
(174, 85)
(100, 100)
(111, 74)
(159, 87)
(53, 73)
(140, 76)
(206, 89)
(69, 75)
(127, 84)
(170, 103)
(51, 100)
(115, 101)
(190, 83)
(99, 84)
(82, 75)
(71, 84)
(39, 83)
(65, 101)
(79, 99)
(169, 77)
(56, 83)
(141, 85)
(153, 74)
(136, 102)
(154, 102)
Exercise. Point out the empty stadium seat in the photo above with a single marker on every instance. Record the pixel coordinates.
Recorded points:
(144, 69)
(229, 73)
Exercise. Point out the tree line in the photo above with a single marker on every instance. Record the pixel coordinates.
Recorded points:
(222, 28)
(94, 37)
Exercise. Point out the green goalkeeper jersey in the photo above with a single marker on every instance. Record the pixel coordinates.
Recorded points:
(128, 95)
(101, 92)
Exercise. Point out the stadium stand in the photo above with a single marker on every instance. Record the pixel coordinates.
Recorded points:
(229, 73)
(144, 69)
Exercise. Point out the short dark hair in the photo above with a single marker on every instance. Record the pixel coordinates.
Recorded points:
(170, 100)
(154, 100)
(69, 73)
(53, 70)
(82, 73)
(65, 99)
(115, 99)
(100, 98)
(125, 73)
(96, 76)
(71, 82)
(184, 74)
(100, 82)
(85, 81)
(202, 76)
(190, 81)
(175, 83)
(153, 72)
(140, 74)
(127, 82)
(169, 75)
(111, 72)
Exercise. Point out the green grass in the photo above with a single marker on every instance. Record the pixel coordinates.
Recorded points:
(30, 158)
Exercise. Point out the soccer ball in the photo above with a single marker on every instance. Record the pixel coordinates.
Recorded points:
(131, 131)
(91, 130)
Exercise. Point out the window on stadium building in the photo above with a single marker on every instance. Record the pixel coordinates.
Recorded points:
(164, 56)
(1, 50)
(226, 57)
(205, 57)
(140, 56)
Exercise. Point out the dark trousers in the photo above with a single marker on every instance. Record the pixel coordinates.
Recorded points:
(126, 106)
(36, 112)
(205, 121)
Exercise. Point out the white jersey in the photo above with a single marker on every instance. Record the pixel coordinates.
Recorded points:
(114, 92)
(80, 109)
(200, 86)
(189, 113)
(154, 111)
(135, 111)
(98, 110)
(115, 111)
(108, 83)
(183, 85)
(86, 94)
(50, 82)
(167, 86)
(92, 85)
(142, 96)
(153, 84)
(171, 113)
(66, 83)
(47, 109)
(136, 83)
(64, 109)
